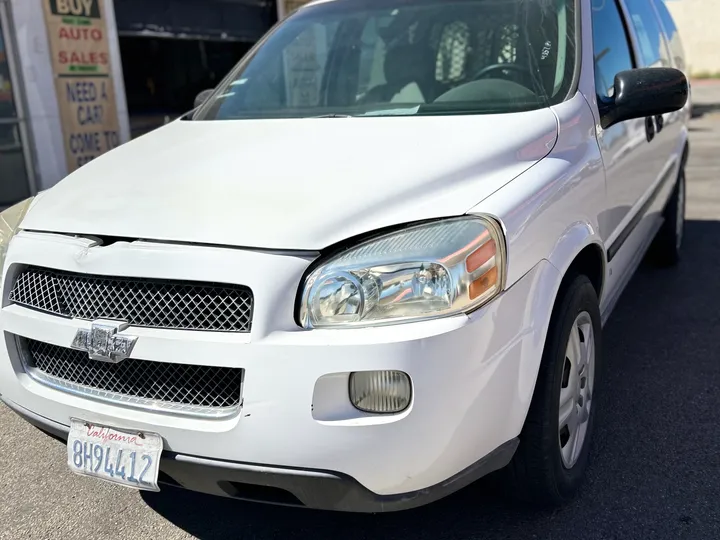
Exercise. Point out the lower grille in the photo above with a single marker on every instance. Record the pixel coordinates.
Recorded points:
(201, 391)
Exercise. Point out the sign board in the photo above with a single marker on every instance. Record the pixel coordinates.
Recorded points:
(304, 59)
(83, 78)
(288, 6)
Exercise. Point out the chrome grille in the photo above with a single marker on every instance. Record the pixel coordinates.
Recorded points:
(140, 302)
(175, 388)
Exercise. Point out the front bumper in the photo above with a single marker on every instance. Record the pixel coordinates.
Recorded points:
(320, 490)
(473, 378)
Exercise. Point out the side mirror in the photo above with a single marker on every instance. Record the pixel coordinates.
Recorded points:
(640, 93)
(202, 97)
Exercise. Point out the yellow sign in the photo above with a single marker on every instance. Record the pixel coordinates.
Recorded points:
(83, 78)
(292, 5)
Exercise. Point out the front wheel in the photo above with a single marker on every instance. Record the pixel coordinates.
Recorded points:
(552, 457)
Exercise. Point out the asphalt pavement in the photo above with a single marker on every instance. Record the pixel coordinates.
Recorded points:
(655, 470)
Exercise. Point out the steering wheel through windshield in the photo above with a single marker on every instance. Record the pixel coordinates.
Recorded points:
(484, 72)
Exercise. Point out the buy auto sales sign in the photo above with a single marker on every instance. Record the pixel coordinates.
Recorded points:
(80, 8)
(83, 78)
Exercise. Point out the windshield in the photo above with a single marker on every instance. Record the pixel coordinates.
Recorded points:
(405, 57)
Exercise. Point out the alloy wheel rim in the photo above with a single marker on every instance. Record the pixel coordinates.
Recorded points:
(578, 377)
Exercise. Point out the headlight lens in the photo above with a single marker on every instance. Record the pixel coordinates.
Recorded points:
(426, 271)
(10, 221)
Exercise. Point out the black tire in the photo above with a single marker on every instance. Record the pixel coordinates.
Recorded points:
(536, 473)
(667, 244)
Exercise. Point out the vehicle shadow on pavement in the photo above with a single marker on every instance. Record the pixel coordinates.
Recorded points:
(655, 470)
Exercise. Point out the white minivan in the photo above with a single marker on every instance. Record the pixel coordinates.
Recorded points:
(372, 266)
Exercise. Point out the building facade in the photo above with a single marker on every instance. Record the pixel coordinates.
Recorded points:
(63, 73)
(17, 179)
(697, 21)
(79, 77)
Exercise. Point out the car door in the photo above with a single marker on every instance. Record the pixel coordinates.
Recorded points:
(653, 51)
(625, 147)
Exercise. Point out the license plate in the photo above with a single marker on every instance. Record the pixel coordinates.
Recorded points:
(126, 457)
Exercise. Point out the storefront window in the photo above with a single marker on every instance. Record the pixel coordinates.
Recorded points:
(7, 107)
(13, 172)
(13, 175)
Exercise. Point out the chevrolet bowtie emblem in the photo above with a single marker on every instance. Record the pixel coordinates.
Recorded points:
(103, 342)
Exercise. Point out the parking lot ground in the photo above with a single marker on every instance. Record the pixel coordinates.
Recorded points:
(655, 470)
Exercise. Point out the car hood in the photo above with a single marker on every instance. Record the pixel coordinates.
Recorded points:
(300, 184)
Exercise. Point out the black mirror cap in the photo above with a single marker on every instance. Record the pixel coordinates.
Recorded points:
(202, 97)
(640, 93)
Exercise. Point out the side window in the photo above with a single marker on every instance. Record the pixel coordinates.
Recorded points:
(653, 48)
(611, 47)
(673, 36)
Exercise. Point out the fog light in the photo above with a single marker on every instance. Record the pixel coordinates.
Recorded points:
(380, 392)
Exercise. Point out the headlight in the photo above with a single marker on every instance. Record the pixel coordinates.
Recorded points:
(10, 221)
(421, 272)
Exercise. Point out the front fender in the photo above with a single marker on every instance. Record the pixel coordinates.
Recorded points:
(551, 212)
(522, 316)
(576, 238)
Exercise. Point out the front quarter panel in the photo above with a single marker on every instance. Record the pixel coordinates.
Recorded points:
(551, 212)
(549, 215)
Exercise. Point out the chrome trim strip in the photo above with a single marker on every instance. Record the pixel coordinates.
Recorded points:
(112, 398)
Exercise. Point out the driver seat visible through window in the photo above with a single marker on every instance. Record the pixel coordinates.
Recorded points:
(407, 69)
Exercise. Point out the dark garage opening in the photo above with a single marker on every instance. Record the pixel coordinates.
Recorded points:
(173, 49)
(163, 76)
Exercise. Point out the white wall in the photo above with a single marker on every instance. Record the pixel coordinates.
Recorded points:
(698, 22)
(35, 69)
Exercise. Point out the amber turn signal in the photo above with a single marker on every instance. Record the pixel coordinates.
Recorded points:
(484, 283)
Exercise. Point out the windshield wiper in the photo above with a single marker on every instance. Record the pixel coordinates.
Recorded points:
(382, 112)
(403, 111)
